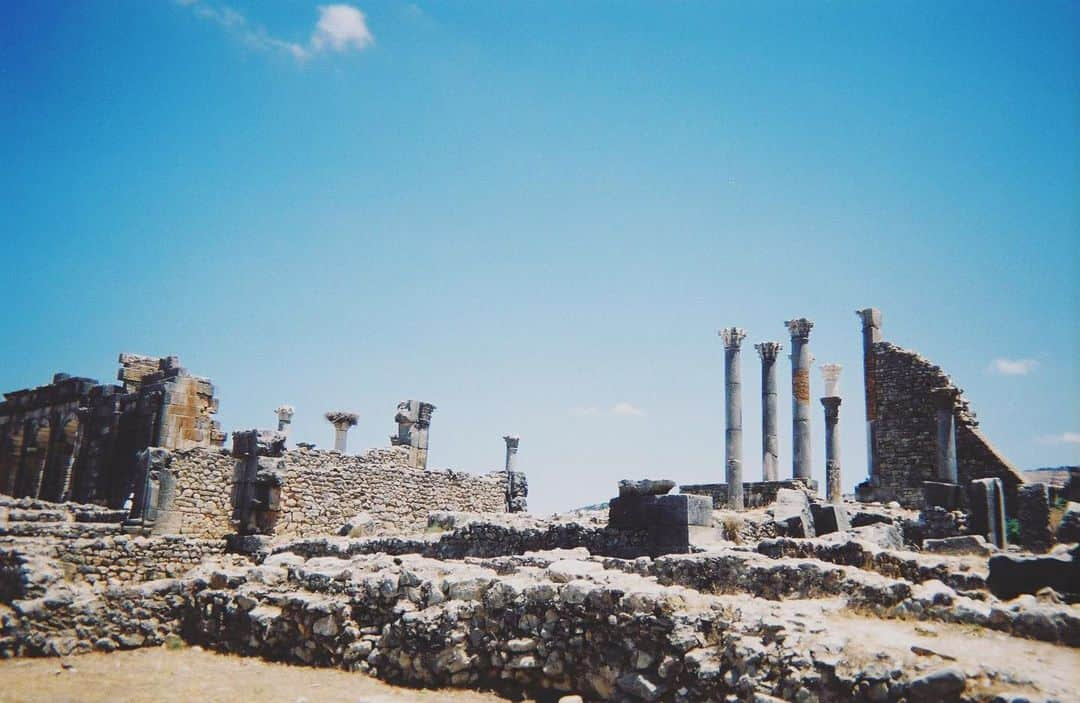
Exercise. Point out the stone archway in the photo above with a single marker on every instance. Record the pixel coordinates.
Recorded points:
(57, 478)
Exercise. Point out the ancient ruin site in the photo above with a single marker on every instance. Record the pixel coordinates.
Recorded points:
(540, 351)
(127, 524)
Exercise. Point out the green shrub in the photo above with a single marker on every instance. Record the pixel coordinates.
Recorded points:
(1012, 530)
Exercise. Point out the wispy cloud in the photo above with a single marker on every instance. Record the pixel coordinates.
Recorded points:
(622, 409)
(340, 28)
(1012, 367)
(627, 410)
(1063, 438)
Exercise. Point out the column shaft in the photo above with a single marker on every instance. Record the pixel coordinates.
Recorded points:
(733, 337)
(801, 457)
(833, 490)
(770, 440)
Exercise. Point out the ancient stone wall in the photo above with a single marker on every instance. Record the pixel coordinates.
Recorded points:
(903, 440)
(126, 559)
(322, 490)
(756, 494)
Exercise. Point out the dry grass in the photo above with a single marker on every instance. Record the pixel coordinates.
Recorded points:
(160, 675)
(731, 528)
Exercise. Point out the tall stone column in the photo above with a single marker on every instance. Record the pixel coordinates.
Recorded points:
(341, 421)
(414, 420)
(802, 461)
(733, 337)
(770, 441)
(945, 405)
(831, 401)
(284, 417)
(871, 335)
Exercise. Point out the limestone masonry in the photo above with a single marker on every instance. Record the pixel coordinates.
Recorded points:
(126, 522)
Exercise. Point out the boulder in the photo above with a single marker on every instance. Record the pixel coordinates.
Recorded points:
(359, 525)
(937, 686)
(965, 544)
(792, 514)
(645, 487)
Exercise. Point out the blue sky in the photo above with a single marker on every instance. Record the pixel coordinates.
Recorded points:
(537, 215)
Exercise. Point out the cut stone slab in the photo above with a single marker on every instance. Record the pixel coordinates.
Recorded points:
(792, 514)
(883, 535)
(1012, 575)
(645, 487)
(965, 544)
(829, 518)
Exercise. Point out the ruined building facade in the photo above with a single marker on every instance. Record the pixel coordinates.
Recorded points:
(905, 397)
(77, 439)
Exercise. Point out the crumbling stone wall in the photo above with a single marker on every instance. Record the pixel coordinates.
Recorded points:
(903, 440)
(756, 494)
(126, 559)
(322, 490)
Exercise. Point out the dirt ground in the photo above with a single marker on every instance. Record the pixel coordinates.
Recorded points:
(158, 675)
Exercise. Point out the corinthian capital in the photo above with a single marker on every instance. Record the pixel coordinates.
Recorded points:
(768, 351)
(733, 337)
(799, 328)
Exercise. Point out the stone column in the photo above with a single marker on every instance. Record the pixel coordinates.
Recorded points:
(512, 441)
(801, 458)
(831, 401)
(284, 417)
(341, 421)
(733, 337)
(871, 335)
(414, 420)
(945, 405)
(770, 441)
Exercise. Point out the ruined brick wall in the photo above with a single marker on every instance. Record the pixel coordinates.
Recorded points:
(904, 440)
(322, 490)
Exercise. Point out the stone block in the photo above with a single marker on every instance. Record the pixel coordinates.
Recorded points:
(683, 510)
(1012, 575)
(884, 535)
(645, 487)
(829, 517)
(937, 494)
(1033, 514)
(1069, 528)
(258, 443)
(632, 512)
(792, 514)
(986, 501)
(965, 544)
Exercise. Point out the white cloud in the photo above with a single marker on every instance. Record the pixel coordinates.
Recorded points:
(1012, 367)
(1063, 438)
(627, 410)
(340, 28)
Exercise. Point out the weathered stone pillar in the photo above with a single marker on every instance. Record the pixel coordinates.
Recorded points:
(512, 441)
(770, 441)
(871, 335)
(802, 461)
(945, 405)
(414, 419)
(341, 421)
(733, 337)
(831, 401)
(284, 417)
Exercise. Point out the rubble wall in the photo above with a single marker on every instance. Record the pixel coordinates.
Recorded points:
(899, 401)
(322, 490)
(124, 559)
